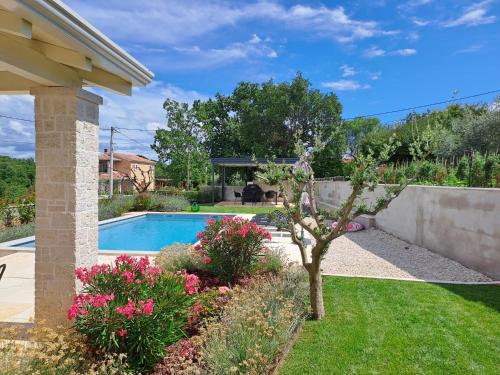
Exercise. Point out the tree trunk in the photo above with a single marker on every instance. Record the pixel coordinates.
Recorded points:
(316, 292)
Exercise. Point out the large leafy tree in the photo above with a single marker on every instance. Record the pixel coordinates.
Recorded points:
(179, 145)
(273, 116)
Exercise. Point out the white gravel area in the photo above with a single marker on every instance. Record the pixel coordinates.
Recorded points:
(375, 253)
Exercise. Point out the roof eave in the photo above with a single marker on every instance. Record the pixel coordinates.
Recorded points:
(66, 20)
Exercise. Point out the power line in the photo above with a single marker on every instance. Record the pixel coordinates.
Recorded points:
(349, 118)
(424, 105)
(16, 118)
(133, 140)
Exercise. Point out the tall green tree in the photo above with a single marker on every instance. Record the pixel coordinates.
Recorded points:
(179, 146)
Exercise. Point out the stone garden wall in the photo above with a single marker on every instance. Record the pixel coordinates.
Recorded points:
(459, 223)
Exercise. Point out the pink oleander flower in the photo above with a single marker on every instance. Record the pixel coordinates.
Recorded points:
(199, 235)
(127, 310)
(191, 283)
(207, 259)
(129, 276)
(224, 289)
(99, 300)
(122, 332)
(197, 308)
(82, 274)
(143, 264)
(148, 307)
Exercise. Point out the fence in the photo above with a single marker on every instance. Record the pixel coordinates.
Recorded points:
(460, 223)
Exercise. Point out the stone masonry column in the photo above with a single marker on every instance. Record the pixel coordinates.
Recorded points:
(66, 225)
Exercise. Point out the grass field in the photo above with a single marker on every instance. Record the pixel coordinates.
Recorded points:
(398, 327)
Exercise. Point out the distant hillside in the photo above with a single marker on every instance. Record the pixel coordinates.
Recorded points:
(17, 176)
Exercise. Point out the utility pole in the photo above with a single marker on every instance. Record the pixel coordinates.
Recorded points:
(111, 163)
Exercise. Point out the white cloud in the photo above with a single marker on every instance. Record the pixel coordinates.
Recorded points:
(413, 36)
(473, 15)
(374, 52)
(420, 22)
(172, 22)
(414, 4)
(375, 76)
(345, 85)
(347, 71)
(198, 57)
(471, 49)
(404, 52)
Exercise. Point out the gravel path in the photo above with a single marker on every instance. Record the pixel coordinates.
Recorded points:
(374, 253)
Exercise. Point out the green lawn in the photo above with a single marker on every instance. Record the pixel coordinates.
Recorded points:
(397, 327)
(242, 209)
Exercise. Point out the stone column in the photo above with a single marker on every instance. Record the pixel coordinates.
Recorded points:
(66, 226)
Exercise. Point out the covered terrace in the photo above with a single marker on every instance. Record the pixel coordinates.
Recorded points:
(251, 191)
(50, 52)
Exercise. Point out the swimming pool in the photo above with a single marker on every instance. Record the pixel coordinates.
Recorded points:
(149, 232)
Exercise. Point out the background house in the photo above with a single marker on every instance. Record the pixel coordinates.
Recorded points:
(130, 172)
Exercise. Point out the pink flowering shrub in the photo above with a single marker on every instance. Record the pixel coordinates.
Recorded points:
(134, 308)
(230, 247)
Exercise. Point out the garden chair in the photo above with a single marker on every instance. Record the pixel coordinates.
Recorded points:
(237, 195)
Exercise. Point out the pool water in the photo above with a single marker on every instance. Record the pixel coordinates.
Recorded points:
(149, 232)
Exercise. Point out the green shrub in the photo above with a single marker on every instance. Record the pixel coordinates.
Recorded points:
(132, 308)
(255, 325)
(230, 247)
(7, 213)
(26, 208)
(477, 171)
(489, 167)
(179, 257)
(19, 231)
(142, 202)
(271, 261)
(115, 207)
(169, 203)
(463, 168)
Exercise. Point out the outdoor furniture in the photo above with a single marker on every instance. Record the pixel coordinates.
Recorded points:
(237, 195)
(251, 193)
(2, 270)
(270, 195)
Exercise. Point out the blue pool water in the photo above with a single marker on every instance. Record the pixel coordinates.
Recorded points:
(149, 232)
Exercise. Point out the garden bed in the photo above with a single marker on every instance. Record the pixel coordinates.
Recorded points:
(226, 306)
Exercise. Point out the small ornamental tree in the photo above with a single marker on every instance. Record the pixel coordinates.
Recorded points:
(300, 178)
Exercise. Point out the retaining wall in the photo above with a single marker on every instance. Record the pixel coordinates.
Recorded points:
(460, 223)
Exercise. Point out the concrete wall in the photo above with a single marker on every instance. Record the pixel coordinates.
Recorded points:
(460, 223)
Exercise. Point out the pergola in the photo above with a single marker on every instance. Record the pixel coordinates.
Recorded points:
(50, 52)
(244, 162)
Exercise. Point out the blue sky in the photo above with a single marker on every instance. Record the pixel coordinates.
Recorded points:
(376, 55)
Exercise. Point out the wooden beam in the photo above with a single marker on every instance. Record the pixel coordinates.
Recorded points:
(106, 80)
(59, 54)
(33, 65)
(11, 84)
(13, 24)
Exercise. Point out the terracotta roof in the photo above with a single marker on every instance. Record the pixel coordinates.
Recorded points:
(105, 157)
(117, 156)
(116, 175)
(133, 158)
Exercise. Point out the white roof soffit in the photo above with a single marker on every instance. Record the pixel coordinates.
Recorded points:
(62, 48)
